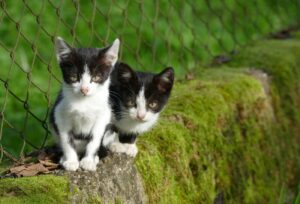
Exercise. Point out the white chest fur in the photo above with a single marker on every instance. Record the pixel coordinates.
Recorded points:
(81, 113)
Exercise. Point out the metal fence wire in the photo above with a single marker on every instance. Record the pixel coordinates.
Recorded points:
(154, 34)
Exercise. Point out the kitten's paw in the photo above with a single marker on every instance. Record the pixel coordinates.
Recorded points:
(89, 164)
(96, 160)
(132, 150)
(128, 149)
(117, 147)
(70, 165)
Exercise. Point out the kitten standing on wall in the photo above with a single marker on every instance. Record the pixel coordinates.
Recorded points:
(82, 111)
(137, 99)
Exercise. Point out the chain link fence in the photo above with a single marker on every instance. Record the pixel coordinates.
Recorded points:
(154, 34)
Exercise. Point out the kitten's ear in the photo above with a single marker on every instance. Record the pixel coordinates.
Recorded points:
(62, 49)
(125, 73)
(111, 54)
(164, 80)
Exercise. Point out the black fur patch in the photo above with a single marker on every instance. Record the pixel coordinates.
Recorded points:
(80, 136)
(126, 84)
(52, 118)
(72, 64)
(127, 138)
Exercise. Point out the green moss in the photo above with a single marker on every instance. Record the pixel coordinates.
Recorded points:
(94, 200)
(223, 136)
(281, 60)
(45, 189)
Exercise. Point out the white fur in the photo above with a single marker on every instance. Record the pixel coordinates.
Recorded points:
(128, 149)
(82, 115)
(86, 114)
(141, 104)
(108, 137)
(129, 123)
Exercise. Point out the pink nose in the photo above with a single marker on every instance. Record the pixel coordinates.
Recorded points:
(141, 116)
(84, 90)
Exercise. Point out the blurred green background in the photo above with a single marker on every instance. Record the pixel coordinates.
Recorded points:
(154, 34)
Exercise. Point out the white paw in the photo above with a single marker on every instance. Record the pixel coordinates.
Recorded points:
(89, 163)
(128, 149)
(96, 160)
(70, 165)
(132, 150)
(117, 147)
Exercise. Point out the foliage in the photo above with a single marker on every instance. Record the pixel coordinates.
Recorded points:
(154, 34)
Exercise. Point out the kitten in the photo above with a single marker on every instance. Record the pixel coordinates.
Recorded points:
(82, 110)
(137, 99)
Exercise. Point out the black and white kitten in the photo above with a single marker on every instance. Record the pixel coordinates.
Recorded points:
(137, 99)
(82, 110)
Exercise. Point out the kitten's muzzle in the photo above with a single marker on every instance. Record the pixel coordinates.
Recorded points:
(84, 90)
(141, 116)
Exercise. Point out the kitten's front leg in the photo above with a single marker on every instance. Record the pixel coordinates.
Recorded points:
(90, 160)
(124, 144)
(132, 150)
(70, 159)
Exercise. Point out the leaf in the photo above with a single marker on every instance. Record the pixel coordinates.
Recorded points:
(37, 167)
(29, 170)
(49, 164)
(17, 169)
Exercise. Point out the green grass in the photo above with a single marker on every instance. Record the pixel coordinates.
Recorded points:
(154, 34)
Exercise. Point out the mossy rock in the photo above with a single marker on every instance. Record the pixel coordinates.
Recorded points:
(115, 181)
(230, 135)
(38, 189)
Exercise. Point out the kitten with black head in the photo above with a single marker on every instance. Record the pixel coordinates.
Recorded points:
(82, 109)
(137, 99)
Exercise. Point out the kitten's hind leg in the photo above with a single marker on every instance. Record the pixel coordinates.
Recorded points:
(109, 137)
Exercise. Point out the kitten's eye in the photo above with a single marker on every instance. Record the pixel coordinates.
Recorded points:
(68, 65)
(96, 78)
(152, 105)
(73, 78)
(130, 103)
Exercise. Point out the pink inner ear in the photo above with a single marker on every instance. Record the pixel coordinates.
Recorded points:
(104, 61)
(161, 88)
(109, 59)
(126, 75)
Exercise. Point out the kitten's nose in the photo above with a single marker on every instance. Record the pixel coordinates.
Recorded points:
(84, 90)
(141, 116)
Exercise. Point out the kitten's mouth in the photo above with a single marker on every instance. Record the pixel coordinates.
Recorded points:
(140, 120)
(84, 94)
